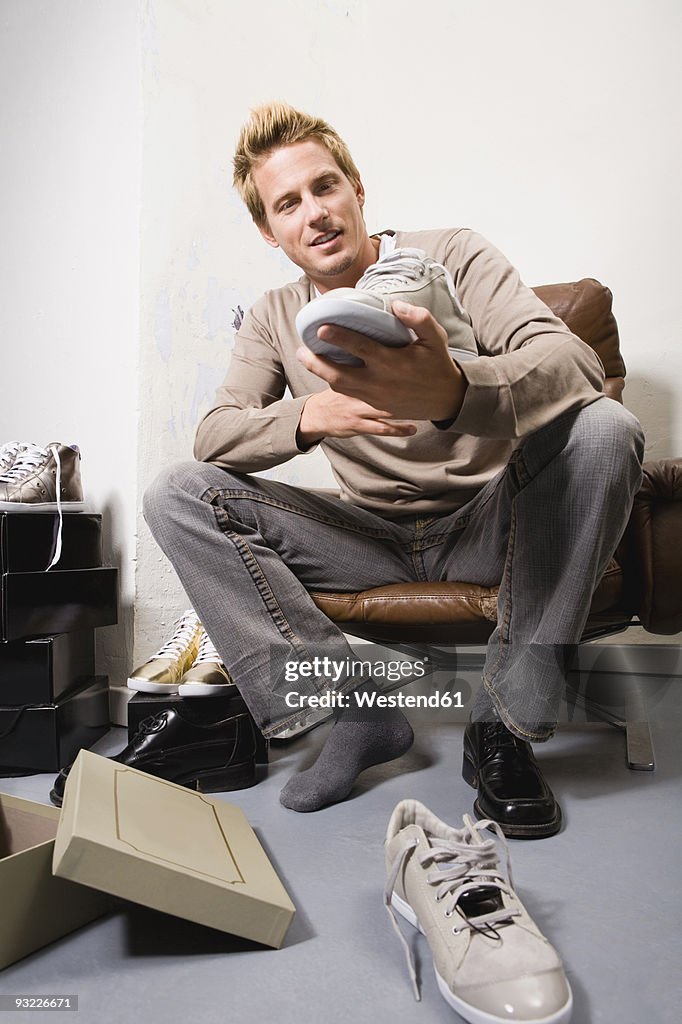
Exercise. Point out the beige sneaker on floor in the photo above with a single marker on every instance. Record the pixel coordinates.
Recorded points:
(207, 677)
(492, 963)
(164, 670)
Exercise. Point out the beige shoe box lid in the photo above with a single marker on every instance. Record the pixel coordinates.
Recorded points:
(127, 833)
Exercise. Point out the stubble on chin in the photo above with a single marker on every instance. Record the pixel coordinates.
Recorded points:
(335, 269)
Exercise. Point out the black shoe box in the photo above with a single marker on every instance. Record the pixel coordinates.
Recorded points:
(41, 603)
(45, 738)
(198, 709)
(28, 541)
(40, 670)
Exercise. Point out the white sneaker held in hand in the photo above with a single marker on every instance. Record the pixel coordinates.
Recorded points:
(405, 275)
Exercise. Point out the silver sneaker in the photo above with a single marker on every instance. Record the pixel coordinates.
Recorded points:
(406, 275)
(492, 963)
(8, 455)
(42, 479)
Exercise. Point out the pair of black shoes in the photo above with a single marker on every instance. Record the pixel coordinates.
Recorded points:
(511, 789)
(212, 758)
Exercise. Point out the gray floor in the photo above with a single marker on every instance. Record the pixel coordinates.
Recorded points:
(605, 891)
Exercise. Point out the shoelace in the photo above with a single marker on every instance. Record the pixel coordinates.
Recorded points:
(399, 268)
(8, 456)
(152, 724)
(180, 639)
(469, 864)
(27, 457)
(497, 735)
(207, 651)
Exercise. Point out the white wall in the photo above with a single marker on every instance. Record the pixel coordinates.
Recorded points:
(551, 128)
(70, 168)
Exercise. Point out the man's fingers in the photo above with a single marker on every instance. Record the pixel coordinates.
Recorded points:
(324, 368)
(387, 429)
(420, 320)
(351, 341)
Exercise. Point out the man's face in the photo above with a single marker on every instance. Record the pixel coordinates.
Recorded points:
(314, 214)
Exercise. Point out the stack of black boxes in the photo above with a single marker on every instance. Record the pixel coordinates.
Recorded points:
(51, 701)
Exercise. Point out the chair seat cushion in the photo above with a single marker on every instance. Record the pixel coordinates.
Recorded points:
(446, 612)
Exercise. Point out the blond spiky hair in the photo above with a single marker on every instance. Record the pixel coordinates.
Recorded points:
(277, 124)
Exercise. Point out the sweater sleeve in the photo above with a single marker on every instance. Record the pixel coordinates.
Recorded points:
(532, 368)
(251, 426)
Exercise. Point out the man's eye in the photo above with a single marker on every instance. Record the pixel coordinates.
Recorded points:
(288, 204)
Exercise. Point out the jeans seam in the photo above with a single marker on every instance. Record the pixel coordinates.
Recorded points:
(503, 626)
(270, 602)
(279, 620)
(212, 493)
(524, 477)
(504, 641)
(507, 718)
(417, 555)
(459, 524)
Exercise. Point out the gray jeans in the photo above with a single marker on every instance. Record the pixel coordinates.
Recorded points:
(247, 551)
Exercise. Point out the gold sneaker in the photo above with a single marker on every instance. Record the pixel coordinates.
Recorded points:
(164, 670)
(207, 677)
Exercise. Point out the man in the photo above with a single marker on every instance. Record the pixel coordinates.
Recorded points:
(511, 469)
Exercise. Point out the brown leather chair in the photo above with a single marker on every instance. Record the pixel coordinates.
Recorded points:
(641, 586)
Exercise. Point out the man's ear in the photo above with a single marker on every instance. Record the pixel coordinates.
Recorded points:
(270, 239)
(360, 193)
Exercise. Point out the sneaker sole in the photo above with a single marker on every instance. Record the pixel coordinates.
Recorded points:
(466, 1010)
(146, 686)
(206, 689)
(45, 506)
(356, 316)
(375, 323)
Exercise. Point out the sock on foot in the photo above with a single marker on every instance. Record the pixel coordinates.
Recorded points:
(359, 739)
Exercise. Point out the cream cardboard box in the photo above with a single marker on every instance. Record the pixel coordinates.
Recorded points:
(35, 907)
(126, 833)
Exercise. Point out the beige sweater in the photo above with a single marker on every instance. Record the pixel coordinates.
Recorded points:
(531, 370)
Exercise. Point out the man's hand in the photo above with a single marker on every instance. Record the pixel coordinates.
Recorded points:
(330, 414)
(417, 382)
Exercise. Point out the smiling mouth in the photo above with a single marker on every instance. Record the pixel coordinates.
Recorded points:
(328, 237)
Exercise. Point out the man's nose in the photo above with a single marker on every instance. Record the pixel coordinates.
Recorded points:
(315, 210)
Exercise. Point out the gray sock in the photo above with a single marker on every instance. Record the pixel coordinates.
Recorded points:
(359, 739)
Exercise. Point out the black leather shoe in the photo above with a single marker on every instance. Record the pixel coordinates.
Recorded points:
(212, 758)
(511, 789)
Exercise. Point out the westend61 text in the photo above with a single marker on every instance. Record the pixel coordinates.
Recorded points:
(332, 699)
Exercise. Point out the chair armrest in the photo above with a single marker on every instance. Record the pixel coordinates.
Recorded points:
(652, 548)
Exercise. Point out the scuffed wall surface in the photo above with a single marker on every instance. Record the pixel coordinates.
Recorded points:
(548, 128)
